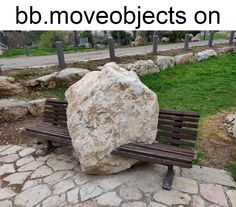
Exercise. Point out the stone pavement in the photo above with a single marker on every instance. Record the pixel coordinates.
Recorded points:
(41, 61)
(26, 180)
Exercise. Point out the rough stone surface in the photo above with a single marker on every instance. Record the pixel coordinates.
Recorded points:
(184, 58)
(11, 150)
(142, 67)
(73, 195)
(7, 168)
(185, 184)
(54, 201)
(42, 172)
(225, 50)
(89, 191)
(205, 54)
(232, 197)
(6, 193)
(47, 81)
(8, 87)
(107, 109)
(109, 199)
(154, 204)
(17, 178)
(9, 158)
(172, 197)
(57, 164)
(134, 204)
(30, 166)
(6, 203)
(63, 186)
(164, 62)
(27, 151)
(231, 124)
(32, 183)
(24, 160)
(197, 202)
(130, 193)
(214, 193)
(69, 76)
(32, 196)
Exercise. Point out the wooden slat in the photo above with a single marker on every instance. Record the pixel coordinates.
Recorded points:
(180, 124)
(181, 113)
(50, 100)
(175, 141)
(178, 118)
(51, 129)
(151, 159)
(55, 117)
(176, 135)
(56, 104)
(46, 132)
(47, 137)
(156, 153)
(177, 129)
(48, 108)
(60, 123)
(55, 112)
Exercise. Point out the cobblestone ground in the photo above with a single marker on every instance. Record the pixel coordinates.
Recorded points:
(27, 179)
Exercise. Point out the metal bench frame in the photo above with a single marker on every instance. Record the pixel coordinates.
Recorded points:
(174, 145)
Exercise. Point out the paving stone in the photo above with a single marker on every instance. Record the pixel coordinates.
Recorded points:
(6, 203)
(4, 147)
(63, 186)
(134, 204)
(7, 168)
(32, 183)
(60, 175)
(108, 199)
(17, 178)
(89, 191)
(130, 193)
(1, 183)
(32, 196)
(232, 197)
(54, 201)
(27, 151)
(24, 161)
(86, 204)
(73, 195)
(6, 193)
(172, 197)
(9, 158)
(57, 164)
(82, 178)
(186, 185)
(214, 193)
(210, 175)
(107, 182)
(42, 172)
(11, 150)
(154, 204)
(197, 202)
(30, 166)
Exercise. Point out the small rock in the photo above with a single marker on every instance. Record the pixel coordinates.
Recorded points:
(164, 62)
(63, 186)
(231, 124)
(205, 54)
(214, 193)
(225, 50)
(42, 172)
(8, 87)
(47, 81)
(7, 168)
(17, 178)
(186, 185)
(184, 58)
(6, 193)
(165, 39)
(32, 196)
(196, 38)
(108, 199)
(232, 197)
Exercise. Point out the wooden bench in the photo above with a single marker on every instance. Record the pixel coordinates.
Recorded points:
(174, 146)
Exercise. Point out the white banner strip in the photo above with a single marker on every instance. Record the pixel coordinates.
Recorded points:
(117, 15)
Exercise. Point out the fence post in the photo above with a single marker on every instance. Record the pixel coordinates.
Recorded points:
(60, 55)
(26, 50)
(111, 45)
(155, 44)
(186, 41)
(210, 41)
(231, 38)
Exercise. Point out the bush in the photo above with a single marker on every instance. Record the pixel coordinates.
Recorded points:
(48, 39)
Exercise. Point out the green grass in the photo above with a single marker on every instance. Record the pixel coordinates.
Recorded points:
(40, 51)
(232, 170)
(23, 75)
(58, 93)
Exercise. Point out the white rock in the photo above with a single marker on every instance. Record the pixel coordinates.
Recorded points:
(36, 108)
(60, 175)
(6, 193)
(172, 197)
(134, 204)
(57, 164)
(198, 202)
(154, 204)
(107, 109)
(9, 87)
(54, 201)
(27, 151)
(6, 203)
(13, 149)
(9, 158)
(205, 54)
(196, 38)
(186, 185)
(7, 168)
(231, 124)
(31, 183)
(30, 166)
(130, 193)
(69, 76)
(141, 67)
(63, 186)
(232, 197)
(32, 196)
(89, 191)
(165, 39)
(17, 178)
(164, 62)
(47, 81)
(184, 58)
(109, 199)
(225, 50)
(73, 195)
(24, 161)
(42, 172)
(4, 147)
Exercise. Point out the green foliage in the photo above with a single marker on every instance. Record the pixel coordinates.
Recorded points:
(232, 170)
(48, 39)
(124, 36)
(58, 93)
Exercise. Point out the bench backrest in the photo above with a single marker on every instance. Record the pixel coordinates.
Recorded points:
(174, 127)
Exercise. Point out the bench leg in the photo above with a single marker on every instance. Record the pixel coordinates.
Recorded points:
(49, 148)
(169, 178)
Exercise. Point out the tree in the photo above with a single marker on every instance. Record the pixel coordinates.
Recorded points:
(48, 39)
(122, 37)
(89, 35)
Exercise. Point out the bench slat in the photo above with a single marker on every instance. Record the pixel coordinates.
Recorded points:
(51, 128)
(178, 118)
(46, 132)
(180, 124)
(177, 129)
(175, 141)
(176, 135)
(182, 113)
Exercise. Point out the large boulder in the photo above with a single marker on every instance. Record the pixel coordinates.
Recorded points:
(184, 58)
(107, 109)
(69, 76)
(205, 54)
(142, 67)
(8, 87)
(164, 62)
(225, 50)
(46, 81)
(231, 124)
